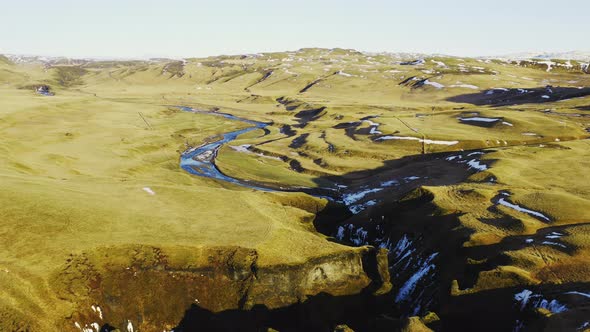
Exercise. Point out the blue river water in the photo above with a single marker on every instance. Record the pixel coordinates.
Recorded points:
(200, 161)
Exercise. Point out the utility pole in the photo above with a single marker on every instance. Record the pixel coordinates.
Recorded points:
(144, 120)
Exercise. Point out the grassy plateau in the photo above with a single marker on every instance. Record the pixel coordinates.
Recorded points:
(480, 164)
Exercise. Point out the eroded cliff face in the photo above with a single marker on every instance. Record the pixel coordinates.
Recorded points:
(421, 243)
(149, 288)
(483, 287)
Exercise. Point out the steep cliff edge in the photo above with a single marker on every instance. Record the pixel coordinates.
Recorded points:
(151, 287)
(494, 253)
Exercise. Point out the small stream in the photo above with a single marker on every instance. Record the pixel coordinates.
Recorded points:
(200, 161)
(411, 266)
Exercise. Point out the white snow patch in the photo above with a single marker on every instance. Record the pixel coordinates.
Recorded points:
(553, 306)
(350, 199)
(357, 208)
(545, 97)
(410, 285)
(507, 123)
(389, 183)
(434, 84)
(474, 163)
(493, 90)
(553, 237)
(340, 233)
(550, 243)
(358, 236)
(537, 301)
(241, 148)
(401, 246)
(244, 149)
(516, 207)
(341, 73)
(523, 297)
(374, 126)
(374, 131)
(480, 119)
(148, 190)
(548, 63)
(426, 141)
(439, 63)
(579, 293)
(465, 86)
(99, 311)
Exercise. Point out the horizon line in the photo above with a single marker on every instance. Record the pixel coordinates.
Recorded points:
(177, 57)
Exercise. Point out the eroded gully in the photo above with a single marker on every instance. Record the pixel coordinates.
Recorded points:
(413, 257)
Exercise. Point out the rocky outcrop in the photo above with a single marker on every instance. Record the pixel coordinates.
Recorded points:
(152, 287)
(421, 246)
(414, 324)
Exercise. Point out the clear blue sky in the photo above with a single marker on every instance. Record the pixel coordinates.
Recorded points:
(139, 28)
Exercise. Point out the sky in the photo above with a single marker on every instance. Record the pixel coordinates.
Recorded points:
(185, 28)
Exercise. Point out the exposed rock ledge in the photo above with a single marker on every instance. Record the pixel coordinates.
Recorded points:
(152, 287)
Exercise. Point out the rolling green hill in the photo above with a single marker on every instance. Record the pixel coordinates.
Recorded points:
(468, 172)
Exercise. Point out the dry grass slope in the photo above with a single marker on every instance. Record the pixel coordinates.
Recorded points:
(75, 168)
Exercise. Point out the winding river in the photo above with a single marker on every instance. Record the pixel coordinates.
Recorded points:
(200, 160)
(412, 265)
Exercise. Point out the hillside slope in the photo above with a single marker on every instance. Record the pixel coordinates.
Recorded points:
(458, 189)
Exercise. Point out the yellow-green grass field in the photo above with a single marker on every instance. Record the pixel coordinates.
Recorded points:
(82, 172)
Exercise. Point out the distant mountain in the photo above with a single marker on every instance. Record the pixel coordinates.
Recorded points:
(583, 56)
(16, 58)
(60, 60)
(572, 55)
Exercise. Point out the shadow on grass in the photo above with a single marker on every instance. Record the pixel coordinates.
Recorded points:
(498, 310)
(322, 312)
(489, 310)
(493, 255)
(507, 97)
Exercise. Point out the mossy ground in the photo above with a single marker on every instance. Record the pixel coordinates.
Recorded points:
(74, 165)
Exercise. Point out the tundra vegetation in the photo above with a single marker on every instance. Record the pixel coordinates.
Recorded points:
(457, 194)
